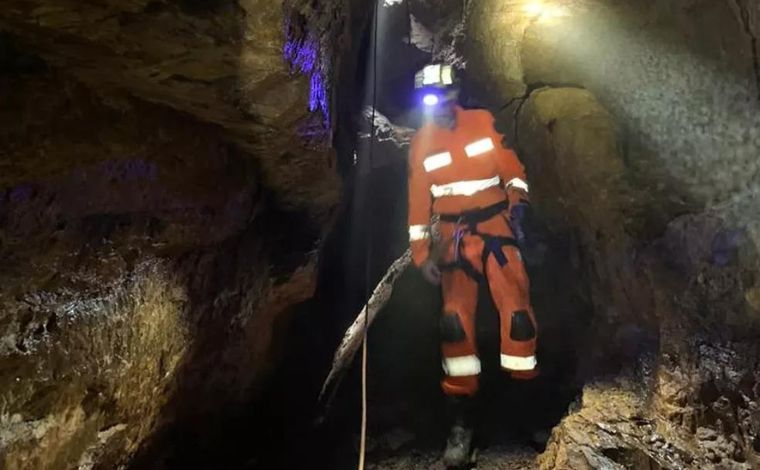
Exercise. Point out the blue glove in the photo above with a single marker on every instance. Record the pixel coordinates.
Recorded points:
(431, 272)
(518, 219)
(533, 251)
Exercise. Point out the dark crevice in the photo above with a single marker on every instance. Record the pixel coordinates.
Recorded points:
(198, 7)
(746, 24)
(530, 88)
(16, 61)
(635, 459)
(516, 117)
(510, 102)
(537, 85)
(154, 7)
(185, 79)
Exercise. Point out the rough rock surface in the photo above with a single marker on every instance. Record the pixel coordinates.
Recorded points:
(654, 65)
(221, 62)
(155, 159)
(637, 122)
(130, 273)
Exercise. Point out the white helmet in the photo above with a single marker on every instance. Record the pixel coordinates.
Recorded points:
(435, 83)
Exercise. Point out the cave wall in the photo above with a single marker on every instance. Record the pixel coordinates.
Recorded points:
(638, 126)
(680, 77)
(156, 159)
(94, 321)
(222, 62)
(143, 272)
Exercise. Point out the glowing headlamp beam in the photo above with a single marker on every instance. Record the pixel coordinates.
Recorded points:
(430, 99)
(540, 10)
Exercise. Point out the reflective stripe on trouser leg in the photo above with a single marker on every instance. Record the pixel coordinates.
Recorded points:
(460, 360)
(518, 363)
(518, 341)
(461, 366)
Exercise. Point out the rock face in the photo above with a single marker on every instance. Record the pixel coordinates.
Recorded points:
(163, 186)
(221, 62)
(653, 66)
(638, 125)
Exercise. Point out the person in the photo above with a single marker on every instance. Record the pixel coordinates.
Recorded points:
(460, 172)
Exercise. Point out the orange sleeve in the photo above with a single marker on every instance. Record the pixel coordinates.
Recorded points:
(420, 201)
(511, 170)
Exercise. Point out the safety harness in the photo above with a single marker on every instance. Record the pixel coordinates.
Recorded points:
(493, 244)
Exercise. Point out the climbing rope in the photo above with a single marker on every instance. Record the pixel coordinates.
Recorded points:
(368, 287)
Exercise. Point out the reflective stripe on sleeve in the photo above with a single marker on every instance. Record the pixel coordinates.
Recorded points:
(434, 162)
(418, 232)
(517, 183)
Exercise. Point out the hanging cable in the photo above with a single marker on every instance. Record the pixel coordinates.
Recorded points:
(368, 273)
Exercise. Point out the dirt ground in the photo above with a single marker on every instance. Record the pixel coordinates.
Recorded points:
(504, 457)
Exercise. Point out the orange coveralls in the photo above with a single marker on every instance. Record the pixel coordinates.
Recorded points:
(467, 177)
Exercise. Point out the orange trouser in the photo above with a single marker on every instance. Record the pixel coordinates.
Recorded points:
(508, 283)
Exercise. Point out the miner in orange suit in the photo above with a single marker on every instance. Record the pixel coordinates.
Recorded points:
(460, 172)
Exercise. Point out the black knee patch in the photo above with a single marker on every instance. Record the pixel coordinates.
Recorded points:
(452, 330)
(522, 327)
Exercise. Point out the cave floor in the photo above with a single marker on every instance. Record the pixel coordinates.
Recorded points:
(501, 457)
(506, 437)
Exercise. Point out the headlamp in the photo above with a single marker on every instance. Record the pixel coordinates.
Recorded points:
(430, 99)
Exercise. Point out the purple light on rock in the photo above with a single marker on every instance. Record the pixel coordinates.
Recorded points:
(21, 193)
(302, 51)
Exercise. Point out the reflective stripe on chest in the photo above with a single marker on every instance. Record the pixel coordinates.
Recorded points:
(463, 188)
(436, 161)
(473, 149)
(479, 147)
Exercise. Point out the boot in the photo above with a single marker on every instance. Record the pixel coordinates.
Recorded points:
(459, 443)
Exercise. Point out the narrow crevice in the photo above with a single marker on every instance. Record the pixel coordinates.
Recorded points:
(510, 103)
(530, 89)
(516, 117)
(746, 25)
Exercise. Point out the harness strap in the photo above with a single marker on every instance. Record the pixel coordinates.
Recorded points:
(476, 216)
(493, 243)
(493, 246)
